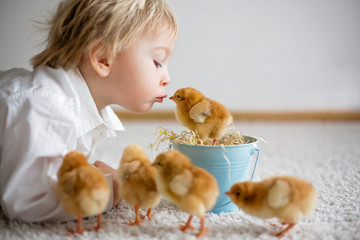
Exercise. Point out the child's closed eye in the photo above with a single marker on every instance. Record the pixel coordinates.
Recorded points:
(157, 64)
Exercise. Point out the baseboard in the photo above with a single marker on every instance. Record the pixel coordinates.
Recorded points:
(257, 116)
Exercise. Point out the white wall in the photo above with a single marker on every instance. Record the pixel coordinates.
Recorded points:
(249, 55)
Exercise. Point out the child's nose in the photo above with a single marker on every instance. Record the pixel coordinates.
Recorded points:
(166, 80)
(165, 83)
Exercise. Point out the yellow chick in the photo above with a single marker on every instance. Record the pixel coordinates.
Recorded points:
(136, 179)
(207, 117)
(82, 188)
(285, 197)
(192, 189)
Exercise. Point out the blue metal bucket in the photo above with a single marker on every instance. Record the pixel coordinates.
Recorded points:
(228, 164)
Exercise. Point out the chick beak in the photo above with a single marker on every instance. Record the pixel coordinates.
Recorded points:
(227, 193)
(153, 164)
(172, 98)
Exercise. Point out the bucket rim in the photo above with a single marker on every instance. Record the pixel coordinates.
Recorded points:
(255, 140)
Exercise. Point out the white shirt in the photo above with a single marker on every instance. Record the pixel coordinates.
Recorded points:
(43, 115)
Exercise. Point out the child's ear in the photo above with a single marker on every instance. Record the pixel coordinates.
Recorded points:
(100, 63)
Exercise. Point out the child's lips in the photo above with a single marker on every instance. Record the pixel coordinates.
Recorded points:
(160, 99)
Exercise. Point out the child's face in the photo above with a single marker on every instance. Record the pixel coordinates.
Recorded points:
(138, 75)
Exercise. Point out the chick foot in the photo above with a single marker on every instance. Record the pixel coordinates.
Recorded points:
(99, 225)
(79, 229)
(137, 217)
(287, 229)
(72, 232)
(275, 225)
(203, 229)
(186, 227)
(136, 222)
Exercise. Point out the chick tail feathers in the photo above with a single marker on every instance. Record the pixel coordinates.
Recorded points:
(94, 202)
(193, 205)
(291, 214)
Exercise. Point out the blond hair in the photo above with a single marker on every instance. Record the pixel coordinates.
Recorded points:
(110, 25)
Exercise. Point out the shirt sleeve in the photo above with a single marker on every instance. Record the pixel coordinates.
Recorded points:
(36, 135)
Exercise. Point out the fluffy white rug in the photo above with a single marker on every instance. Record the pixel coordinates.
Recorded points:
(324, 153)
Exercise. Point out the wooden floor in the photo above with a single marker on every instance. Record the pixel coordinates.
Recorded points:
(258, 116)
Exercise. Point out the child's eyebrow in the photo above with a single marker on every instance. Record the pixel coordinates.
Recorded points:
(166, 49)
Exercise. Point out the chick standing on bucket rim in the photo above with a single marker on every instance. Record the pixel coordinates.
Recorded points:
(97, 53)
(205, 116)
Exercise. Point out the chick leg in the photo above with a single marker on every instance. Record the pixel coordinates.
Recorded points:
(186, 227)
(203, 229)
(137, 219)
(149, 213)
(287, 229)
(79, 229)
(214, 141)
(99, 222)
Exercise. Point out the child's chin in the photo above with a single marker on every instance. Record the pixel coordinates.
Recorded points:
(144, 109)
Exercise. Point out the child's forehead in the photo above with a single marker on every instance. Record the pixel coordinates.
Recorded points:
(160, 31)
(162, 36)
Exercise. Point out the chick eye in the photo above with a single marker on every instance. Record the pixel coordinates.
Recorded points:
(178, 96)
(238, 194)
(157, 64)
(158, 163)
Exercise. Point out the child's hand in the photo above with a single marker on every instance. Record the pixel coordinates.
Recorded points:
(106, 169)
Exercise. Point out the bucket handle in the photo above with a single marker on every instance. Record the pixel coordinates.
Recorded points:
(257, 157)
(252, 174)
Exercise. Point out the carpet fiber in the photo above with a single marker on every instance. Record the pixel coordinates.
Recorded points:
(327, 154)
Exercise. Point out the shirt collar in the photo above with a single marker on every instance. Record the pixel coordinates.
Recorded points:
(90, 117)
